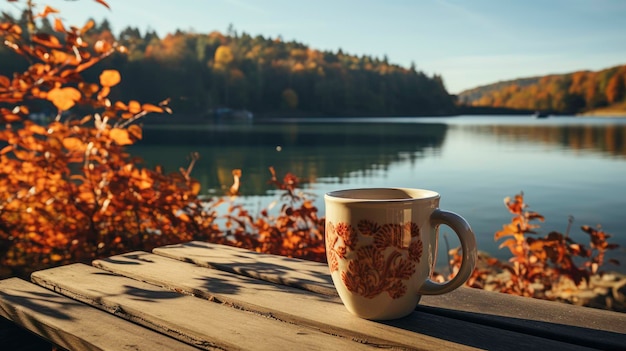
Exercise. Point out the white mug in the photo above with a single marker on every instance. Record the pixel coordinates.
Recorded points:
(381, 246)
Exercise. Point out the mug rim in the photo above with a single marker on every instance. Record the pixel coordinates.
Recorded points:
(412, 194)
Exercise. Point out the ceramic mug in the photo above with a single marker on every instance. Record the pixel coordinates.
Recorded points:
(381, 246)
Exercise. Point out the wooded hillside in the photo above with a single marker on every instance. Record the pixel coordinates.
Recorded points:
(203, 72)
(571, 93)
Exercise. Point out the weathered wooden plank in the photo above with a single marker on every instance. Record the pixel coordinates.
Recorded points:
(74, 325)
(199, 322)
(308, 275)
(558, 321)
(289, 304)
(535, 317)
(420, 330)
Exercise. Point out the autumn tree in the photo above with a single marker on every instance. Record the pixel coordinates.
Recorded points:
(69, 190)
(566, 93)
(616, 87)
(290, 99)
(222, 65)
(192, 72)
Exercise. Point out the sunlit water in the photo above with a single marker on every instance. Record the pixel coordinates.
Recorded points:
(564, 165)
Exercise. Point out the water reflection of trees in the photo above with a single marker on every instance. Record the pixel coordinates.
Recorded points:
(333, 151)
(606, 139)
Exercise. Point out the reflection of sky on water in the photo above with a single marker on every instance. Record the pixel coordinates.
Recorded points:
(476, 164)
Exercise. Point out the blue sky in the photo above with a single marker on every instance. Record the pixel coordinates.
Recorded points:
(468, 42)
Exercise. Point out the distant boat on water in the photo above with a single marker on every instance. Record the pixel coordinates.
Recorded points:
(539, 114)
(225, 114)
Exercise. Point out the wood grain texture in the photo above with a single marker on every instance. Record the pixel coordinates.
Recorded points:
(74, 325)
(292, 305)
(557, 321)
(202, 323)
(220, 297)
(419, 330)
(312, 276)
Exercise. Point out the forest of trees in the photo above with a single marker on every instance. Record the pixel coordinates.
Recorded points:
(564, 93)
(202, 72)
(268, 76)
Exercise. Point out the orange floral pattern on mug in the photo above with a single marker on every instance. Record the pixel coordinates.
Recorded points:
(372, 268)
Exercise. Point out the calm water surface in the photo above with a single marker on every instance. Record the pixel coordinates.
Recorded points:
(564, 165)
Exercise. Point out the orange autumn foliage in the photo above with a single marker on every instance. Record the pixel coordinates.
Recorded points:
(69, 191)
(294, 231)
(538, 264)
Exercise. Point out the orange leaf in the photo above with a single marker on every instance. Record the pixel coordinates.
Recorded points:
(195, 187)
(151, 108)
(120, 136)
(37, 129)
(6, 149)
(87, 26)
(38, 93)
(61, 57)
(47, 40)
(85, 119)
(145, 184)
(4, 81)
(145, 181)
(534, 215)
(537, 245)
(109, 78)
(58, 25)
(39, 68)
(88, 89)
(46, 11)
(507, 230)
(120, 106)
(54, 143)
(64, 98)
(13, 29)
(103, 3)
(80, 68)
(73, 144)
(11, 117)
(184, 217)
(104, 92)
(135, 131)
(23, 155)
(134, 107)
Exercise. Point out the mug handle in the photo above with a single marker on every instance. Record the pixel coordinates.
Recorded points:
(470, 254)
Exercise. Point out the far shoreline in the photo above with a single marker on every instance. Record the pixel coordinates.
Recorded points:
(611, 114)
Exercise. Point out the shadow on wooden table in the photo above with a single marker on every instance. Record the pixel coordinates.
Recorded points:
(452, 325)
(15, 338)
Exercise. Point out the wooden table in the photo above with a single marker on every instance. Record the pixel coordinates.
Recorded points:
(205, 296)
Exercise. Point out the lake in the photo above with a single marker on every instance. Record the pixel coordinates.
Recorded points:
(566, 166)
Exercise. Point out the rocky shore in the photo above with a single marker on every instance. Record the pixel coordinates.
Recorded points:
(616, 110)
(604, 291)
(607, 291)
